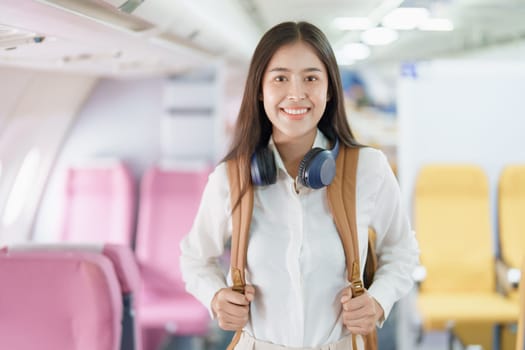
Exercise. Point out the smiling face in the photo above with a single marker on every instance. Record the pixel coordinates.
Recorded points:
(295, 92)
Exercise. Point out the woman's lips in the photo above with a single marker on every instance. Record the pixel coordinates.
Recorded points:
(295, 113)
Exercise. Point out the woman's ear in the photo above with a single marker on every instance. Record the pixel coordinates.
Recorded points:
(260, 96)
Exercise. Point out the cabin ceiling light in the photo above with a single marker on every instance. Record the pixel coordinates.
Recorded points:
(352, 23)
(102, 12)
(405, 18)
(379, 36)
(437, 24)
(343, 61)
(352, 52)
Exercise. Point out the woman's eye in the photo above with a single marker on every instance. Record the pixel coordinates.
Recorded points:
(280, 78)
(311, 78)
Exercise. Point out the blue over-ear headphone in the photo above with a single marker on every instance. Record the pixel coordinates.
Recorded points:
(316, 170)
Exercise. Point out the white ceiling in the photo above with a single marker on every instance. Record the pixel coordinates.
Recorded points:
(478, 23)
(174, 35)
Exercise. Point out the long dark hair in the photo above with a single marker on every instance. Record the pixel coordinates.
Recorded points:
(253, 128)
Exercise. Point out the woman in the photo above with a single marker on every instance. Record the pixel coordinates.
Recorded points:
(297, 294)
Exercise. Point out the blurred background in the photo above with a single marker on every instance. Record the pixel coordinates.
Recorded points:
(113, 113)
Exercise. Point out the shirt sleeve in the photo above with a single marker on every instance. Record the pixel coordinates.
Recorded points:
(203, 246)
(396, 246)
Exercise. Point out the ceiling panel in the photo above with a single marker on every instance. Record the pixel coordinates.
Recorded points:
(186, 33)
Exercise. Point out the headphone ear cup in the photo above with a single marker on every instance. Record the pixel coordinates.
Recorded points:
(263, 170)
(317, 169)
(305, 168)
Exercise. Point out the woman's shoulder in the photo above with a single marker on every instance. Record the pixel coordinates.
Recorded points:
(372, 161)
(219, 174)
(372, 156)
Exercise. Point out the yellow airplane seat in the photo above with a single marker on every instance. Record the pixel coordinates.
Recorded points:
(453, 227)
(511, 210)
(511, 223)
(520, 344)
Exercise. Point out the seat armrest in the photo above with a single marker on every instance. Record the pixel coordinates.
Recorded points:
(419, 274)
(125, 265)
(507, 278)
(157, 280)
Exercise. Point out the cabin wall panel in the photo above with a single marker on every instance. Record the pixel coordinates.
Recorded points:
(119, 120)
(128, 119)
(461, 112)
(39, 117)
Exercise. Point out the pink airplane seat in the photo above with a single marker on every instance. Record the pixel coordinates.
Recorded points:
(168, 205)
(99, 203)
(68, 297)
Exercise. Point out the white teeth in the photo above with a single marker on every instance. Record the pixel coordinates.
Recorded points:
(296, 111)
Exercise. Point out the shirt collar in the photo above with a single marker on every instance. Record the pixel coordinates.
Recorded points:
(319, 141)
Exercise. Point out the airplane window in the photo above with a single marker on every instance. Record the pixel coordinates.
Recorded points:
(22, 187)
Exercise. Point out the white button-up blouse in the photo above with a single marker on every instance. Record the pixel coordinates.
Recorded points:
(295, 258)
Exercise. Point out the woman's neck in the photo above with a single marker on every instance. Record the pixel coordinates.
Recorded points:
(292, 151)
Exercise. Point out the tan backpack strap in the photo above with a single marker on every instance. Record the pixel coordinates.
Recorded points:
(241, 219)
(235, 340)
(342, 197)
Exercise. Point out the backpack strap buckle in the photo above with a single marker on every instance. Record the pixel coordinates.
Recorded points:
(238, 282)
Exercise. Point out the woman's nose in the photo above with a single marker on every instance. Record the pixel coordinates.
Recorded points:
(296, 97)
(296, 91)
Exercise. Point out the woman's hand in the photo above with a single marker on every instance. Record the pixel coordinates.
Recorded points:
(361, 313)
(231, 308)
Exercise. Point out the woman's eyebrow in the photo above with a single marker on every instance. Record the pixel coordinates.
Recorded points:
(312, 69)
(279, 69)
(282, 69)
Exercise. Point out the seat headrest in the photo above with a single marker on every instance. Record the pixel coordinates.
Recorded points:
(512, 182)
(455, 179)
